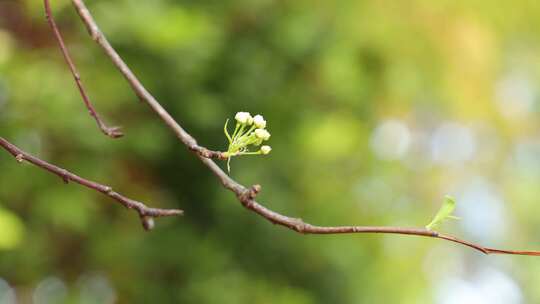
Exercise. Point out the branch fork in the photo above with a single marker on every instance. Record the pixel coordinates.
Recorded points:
(145, 213)
(113, 132)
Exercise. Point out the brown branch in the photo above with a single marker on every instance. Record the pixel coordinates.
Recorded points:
(204, 152)
(246, 196)
(113, 132)
(146, 214)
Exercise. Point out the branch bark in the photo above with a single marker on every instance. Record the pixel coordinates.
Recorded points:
(146, 214)
(113, 132)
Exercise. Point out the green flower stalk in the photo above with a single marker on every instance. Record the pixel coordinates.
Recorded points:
(249, 132)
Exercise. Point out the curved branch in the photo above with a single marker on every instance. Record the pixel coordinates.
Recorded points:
(113, 132)
(146, 214)
(246, 196)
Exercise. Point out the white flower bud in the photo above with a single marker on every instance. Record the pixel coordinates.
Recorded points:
(266, 149)
(259, 121)
(250, 120)
(243, 117)
(262, 134)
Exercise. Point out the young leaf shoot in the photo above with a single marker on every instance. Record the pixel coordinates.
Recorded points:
(444, 213)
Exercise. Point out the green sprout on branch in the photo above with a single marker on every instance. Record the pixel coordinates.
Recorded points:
(444, 213)
(249, 131)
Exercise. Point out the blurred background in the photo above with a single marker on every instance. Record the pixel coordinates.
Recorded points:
(377, 110)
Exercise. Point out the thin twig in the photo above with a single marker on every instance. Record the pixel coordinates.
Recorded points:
(113, 132)
(146, 214)
(246, 196)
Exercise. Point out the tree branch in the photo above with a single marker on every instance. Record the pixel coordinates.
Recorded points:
(246, 196)
(146, 214)
(113, 132)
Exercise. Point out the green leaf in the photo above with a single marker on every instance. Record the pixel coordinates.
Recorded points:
(444, 213)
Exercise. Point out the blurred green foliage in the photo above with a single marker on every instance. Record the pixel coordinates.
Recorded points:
(326, 75)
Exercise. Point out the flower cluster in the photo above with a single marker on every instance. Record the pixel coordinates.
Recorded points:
(249, 131)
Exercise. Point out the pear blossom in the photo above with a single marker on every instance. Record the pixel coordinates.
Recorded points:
(262, 134)
(243, 117)
(249, 133)
(259, 121)
(265, 150)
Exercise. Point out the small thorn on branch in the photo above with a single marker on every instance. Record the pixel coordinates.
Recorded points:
(114, 132)
(299, 225)
(247, 196)
(64, 175)
(19, 158)
(147, 222)
(254, 191)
